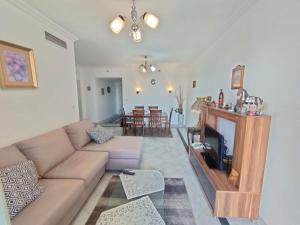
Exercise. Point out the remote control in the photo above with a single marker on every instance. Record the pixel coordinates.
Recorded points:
(128, 172)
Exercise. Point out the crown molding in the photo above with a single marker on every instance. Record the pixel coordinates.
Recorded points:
(26, 8)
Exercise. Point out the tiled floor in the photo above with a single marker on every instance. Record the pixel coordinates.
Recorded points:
(169, 156)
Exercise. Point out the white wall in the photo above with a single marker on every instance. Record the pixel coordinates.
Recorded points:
(267, 40)
(25, 113)
(171, 74)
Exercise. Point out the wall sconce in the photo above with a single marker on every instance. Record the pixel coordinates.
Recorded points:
(170, 89)
(138, 90)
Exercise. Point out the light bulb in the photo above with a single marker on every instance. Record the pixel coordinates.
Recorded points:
(137, 35)
(117, 24)
(152, 68)
(151, 20)
(144, 69)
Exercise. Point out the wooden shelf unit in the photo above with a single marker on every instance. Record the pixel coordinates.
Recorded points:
(249, 155)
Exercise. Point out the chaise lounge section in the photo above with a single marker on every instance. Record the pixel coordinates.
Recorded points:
(124, 152)
(69, 166)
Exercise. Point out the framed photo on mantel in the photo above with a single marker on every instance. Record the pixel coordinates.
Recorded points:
(17, 68)
(237, 79)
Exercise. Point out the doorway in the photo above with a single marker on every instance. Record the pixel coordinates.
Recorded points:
(109, 101)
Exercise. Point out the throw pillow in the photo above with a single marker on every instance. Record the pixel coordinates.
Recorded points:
(20, 186)
(99, 134)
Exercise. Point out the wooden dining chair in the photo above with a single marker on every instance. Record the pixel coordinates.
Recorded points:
(155, 120)
(152, 107)
(138, 120)
(139, 107)
(167, 121)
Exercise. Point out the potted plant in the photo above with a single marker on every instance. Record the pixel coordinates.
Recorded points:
(179, 109)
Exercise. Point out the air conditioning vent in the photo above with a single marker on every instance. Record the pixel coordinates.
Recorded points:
(55, 40)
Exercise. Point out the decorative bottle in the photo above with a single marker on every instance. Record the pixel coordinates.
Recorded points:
(221, 99)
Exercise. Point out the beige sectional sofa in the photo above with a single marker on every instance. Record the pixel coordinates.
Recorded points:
(70, 166)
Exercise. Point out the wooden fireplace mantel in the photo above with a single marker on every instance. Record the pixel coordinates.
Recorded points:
(249, 155)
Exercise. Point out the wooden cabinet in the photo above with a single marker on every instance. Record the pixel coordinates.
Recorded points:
(249, 156)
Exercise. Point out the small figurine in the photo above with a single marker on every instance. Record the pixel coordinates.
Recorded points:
(213, 104)
(252, 109)
(208, 100)
(243, 95)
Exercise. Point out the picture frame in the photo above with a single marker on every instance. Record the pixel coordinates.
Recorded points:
(17, 67)
(194, 84)
(237, 78)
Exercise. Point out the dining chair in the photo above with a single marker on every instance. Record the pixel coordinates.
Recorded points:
(167, 121)
(138, 119)
(155, 120)
(152, 107)
(139, 107)
(126, 121)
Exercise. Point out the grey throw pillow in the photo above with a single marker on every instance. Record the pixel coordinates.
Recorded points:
(20, 185)
(99, 134)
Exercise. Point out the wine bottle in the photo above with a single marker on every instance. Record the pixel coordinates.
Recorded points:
(221, 99)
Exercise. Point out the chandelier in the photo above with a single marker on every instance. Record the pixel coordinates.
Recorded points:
(145, 67)
(149, 19)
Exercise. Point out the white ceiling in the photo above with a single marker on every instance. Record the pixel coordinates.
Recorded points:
(187, 28)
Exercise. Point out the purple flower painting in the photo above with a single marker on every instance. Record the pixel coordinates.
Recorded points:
(16, 66)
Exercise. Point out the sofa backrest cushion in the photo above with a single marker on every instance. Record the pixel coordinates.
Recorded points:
(47, 150)
(10, 156)
(77, 133)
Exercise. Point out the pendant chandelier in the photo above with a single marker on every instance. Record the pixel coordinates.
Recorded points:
(145, 67)
(149, 19)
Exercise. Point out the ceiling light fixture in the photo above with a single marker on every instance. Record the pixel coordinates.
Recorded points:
(145, 67)
(118, 24)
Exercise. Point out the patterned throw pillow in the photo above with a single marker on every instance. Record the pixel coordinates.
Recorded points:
(99, 134)
(20, 185)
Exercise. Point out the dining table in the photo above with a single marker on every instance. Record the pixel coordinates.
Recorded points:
(129, 117)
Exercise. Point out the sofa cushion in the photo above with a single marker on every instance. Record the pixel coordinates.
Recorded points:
(10, 155)
(77, 133)
(123, 147)
(47, 150)
(81, 165)
(58, 197)
(20, 186)
(99, 134)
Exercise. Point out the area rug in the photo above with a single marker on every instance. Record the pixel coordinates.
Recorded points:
(175, 207)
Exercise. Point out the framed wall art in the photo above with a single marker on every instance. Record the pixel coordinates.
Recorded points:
(194, 84)
(237, 79)
(17, 68)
